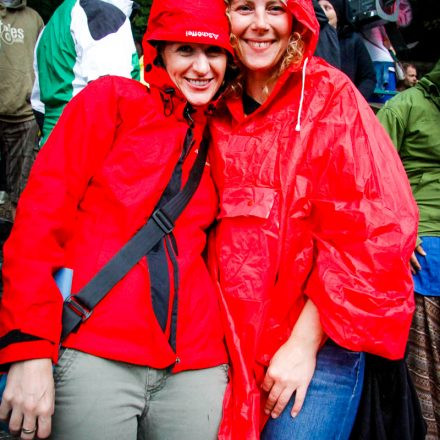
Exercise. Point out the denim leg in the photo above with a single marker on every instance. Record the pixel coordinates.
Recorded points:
(331, 402)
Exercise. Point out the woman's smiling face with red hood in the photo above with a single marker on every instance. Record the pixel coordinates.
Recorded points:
(197, 70)
(193, 39)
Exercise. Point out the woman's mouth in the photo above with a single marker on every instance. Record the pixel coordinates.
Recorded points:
(258, 44)
(199, 83)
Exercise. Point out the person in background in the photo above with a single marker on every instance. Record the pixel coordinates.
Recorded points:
(19, 30)
(315, 231)
(81, 42)
(383, 55)
(410, 79)
(328, 43)
(355, 59)
(412, 119)
(150, 361)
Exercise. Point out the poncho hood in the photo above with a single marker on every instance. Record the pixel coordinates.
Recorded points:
(305, 23)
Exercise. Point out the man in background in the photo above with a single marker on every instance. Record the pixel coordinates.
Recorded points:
(19, 30)
(81, 42)
(410, 78)
(412, 119)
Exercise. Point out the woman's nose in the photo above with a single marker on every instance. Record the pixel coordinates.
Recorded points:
(259, 22)
(201, 64)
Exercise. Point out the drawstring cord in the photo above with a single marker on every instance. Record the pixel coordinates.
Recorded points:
(298, 123)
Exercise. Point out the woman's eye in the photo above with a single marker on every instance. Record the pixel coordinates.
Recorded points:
(276, 9)
(185, 49)
(214, 51)
(242, 7)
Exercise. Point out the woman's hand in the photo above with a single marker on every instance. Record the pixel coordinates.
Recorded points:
(292, 366)
(414, 263)
(28, 399)
(291, 370)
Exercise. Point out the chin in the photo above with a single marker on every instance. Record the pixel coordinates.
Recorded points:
(199, 100)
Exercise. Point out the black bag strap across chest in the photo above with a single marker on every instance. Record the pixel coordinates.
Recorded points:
(78, 308)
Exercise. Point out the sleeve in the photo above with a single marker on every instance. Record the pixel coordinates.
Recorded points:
(364, 226)
(394, 121)
(365, 73)
(30, 310)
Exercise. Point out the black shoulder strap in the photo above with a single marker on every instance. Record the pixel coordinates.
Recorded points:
(77, 308)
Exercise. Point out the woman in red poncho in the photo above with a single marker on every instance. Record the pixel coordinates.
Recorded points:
(316, 227)
(150, 361)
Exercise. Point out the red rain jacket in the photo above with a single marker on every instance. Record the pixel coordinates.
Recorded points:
(314, 204)
(96, 182)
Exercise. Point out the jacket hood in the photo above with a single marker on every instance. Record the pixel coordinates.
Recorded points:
(126, 6)
(430, 85)
(434, 74)
(192, 21)
(344, 15)
(189, 21)
(305, 23)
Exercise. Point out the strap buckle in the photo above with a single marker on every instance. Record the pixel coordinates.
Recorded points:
(163, 221)
(79, 309)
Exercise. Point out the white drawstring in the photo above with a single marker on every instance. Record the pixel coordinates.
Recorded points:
(298, 123)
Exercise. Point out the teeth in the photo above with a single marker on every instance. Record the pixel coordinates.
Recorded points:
(199, 82)
(259, 44)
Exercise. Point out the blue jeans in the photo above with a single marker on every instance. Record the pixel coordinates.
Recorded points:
(331, 402)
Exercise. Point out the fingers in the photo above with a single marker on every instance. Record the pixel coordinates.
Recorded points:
(414, 263)
(27, 417)
(282, 401)
(299, 400)
(44, 426)
(267, 383)
(281, 392)
(15, 421)
(29, 427)
(273, 397)
(420, 250)
(5, 409)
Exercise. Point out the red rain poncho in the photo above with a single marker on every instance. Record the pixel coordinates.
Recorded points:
(314, 204)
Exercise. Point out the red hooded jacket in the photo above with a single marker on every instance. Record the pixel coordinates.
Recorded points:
(93, 185)
(314, 204)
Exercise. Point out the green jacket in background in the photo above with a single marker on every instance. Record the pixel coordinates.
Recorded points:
(412, 119)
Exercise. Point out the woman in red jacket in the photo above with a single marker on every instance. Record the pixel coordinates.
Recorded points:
(316, 227)
(150, 361)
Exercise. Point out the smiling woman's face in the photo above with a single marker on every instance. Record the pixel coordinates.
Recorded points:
(263, 29)
(197, 70)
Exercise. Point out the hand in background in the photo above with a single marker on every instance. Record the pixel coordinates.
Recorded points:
(414, 262)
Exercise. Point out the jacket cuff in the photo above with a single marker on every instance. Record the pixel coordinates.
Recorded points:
(23, 351)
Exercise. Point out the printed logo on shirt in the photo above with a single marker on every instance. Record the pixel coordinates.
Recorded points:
(11, 35)
(201, 34)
